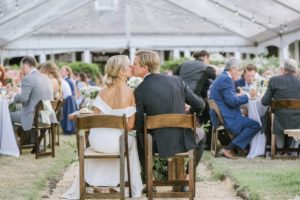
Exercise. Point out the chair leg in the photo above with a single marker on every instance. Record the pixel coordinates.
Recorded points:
(273, 145)
(53, 140)
(57, 132)
(20, 140)
(150, 168)
(122, 167)
(128, 166)
(191, 174)
(212, 142)
(81, 168)
(37, 144)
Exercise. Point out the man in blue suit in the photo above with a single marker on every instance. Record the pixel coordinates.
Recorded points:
(224, 93)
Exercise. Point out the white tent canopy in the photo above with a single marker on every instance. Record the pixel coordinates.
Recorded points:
(41, 27)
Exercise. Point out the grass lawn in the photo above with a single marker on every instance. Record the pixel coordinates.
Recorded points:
(259, 178)
(25, 177)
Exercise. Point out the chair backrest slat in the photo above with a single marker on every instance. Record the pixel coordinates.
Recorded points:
(213, 105)
(101, 121)
(169, 121)
(285, 104)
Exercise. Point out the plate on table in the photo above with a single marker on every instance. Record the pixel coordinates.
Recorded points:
(85, 111)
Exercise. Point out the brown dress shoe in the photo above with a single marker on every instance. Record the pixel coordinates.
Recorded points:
(228, 154)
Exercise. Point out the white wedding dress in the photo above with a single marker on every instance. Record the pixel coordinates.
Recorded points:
(107, 172)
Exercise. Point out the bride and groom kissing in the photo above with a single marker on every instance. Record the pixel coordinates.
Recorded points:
(157, 94)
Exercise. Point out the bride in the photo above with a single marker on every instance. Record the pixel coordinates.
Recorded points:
(114, 99)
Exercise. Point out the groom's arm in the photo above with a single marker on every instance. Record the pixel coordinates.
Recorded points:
(197, 103)
(139, 119)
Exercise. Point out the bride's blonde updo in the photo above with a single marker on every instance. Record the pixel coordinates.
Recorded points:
(113, 67)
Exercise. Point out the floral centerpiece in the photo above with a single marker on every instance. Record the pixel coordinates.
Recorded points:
(133, 82)
(89, 93)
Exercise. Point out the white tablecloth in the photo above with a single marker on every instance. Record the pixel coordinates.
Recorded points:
(8, 144)
(258, 143)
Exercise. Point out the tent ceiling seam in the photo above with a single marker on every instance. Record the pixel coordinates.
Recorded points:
(212, 22)
(47, 23)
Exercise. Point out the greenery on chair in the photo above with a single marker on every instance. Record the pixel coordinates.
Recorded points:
(160, 168)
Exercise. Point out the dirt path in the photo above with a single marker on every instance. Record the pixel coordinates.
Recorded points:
(206, 189)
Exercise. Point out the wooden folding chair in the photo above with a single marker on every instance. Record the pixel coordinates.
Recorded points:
(40, 130)
(218, 131)
(57, 105)
(276, 105)
(83, 125)
(168, 121)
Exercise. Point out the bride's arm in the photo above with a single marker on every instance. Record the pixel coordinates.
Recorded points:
(131, 119)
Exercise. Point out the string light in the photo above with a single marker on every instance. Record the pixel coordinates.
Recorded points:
(280, 28)
(187, 19)
(236, 10)
(221, 24)
(253, 19)
(17, 4)
(270, 22)
(1, 12)
(285, 28)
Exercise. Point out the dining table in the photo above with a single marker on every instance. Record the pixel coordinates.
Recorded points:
(8, 143)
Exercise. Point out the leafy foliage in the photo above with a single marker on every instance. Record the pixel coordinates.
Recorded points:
(172, 64)
(88, 68)
(160, 168)
(263, 63)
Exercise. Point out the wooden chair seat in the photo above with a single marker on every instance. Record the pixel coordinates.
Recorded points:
(166, 121)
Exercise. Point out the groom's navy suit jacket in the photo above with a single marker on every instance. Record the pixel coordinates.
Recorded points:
(164, 94)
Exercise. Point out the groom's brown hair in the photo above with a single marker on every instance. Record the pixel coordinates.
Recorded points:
(150, 59)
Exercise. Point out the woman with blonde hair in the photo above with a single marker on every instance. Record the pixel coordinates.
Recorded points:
(51, 70)
(115, 99)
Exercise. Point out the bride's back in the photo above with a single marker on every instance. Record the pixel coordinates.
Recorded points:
(117, 97)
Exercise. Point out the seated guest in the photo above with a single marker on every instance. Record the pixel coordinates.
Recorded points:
(285, 86)
(51, 70)
(35, 86)
(224, 93)
(248, 77)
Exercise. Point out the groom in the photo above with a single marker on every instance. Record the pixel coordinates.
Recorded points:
(163, 94)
